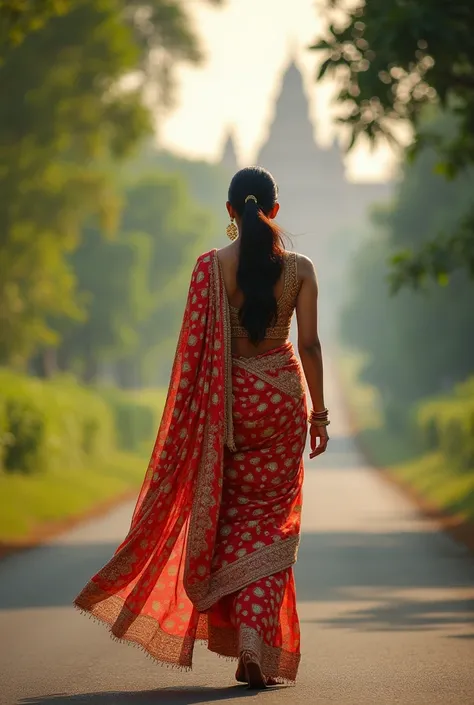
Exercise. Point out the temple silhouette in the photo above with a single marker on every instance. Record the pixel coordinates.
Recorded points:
(320, 207)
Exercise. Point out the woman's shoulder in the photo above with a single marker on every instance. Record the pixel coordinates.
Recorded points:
(304, 264)
(204, 259)
(206, 256)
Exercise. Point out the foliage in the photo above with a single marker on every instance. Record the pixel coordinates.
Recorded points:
(68, 118)
(158, 26)
(18, 18)
(437, 258)
(163, 31)
(416, 345)
(24, 435)
(55, 121)
(33, 504)
(392, 60)
(433, 475)
(135, 307)
(208, 183)
(51, 425)
(59, 448)
(59, 424)
(179, 230)
(135, 421)
(447, 425)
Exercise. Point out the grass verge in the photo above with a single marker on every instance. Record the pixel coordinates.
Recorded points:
(431, 478)
(32, 503)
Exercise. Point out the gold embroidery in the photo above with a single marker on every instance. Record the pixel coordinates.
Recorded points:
(288, 381)
(138, 629)
(226, 329)
(253, 566)
(200, 518)
(285, 304)
(167, 649)
(276, 662)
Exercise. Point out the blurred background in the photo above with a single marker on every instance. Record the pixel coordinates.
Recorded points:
(121, 124)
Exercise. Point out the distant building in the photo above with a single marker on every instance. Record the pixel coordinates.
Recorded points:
(317, 199)
(229, 155)
(324, 213)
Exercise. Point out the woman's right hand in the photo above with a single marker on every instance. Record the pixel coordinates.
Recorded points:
(319, 440)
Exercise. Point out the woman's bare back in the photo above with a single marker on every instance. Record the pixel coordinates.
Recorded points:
(228, 259)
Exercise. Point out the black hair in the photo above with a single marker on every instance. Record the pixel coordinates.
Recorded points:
(261, 249)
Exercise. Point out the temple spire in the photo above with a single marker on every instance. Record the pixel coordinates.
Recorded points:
(291, 123)
(291, 141)
(229, 155)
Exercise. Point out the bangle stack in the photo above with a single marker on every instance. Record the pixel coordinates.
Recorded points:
(319, 418)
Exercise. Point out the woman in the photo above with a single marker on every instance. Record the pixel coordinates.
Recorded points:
(215, 531)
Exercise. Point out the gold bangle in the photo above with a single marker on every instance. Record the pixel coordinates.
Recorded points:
(321, 416)
(324, 412)
(319, 422)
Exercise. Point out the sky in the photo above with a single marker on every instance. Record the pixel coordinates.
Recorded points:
(247, 46)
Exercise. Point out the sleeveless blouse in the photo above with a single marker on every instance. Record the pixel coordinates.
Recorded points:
(285, 305)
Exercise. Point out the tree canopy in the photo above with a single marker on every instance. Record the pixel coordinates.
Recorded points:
(70, 115)
(392, 61)
(417, 344)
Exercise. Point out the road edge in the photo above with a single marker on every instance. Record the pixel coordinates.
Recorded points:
(46, 532)
(461, 530)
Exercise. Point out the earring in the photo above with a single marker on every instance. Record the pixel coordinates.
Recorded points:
(232, 230)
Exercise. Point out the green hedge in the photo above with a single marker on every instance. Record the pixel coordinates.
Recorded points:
(447, 425)
(59, 424)
(48, 425)
(135, 421)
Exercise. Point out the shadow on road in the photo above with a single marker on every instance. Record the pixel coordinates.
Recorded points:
(50, 576)
(160, 696)
(398, 614)
(391, 580)
(369, 572)
(332, 564)
(362, 568)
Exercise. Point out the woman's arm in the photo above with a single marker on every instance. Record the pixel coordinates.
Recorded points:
(309, 347)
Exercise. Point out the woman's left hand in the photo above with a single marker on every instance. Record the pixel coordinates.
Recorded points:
(319, 438)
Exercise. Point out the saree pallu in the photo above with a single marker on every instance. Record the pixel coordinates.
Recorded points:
(215, 529)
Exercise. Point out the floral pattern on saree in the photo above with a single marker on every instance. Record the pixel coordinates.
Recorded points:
(220, 504)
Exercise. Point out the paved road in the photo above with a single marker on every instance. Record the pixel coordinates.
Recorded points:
(386, 604)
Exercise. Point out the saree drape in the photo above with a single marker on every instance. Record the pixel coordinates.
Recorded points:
(216, 526)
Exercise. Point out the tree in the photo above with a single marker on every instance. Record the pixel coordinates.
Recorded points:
(55, 128)
(19, 18)
(132, 286)
(67, 120)
(391, 61)
(161, 29)
(417, 344)
(112, 288)
(207, 182)
(160, 205)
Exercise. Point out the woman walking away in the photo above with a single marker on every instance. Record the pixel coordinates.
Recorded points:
(215, 531)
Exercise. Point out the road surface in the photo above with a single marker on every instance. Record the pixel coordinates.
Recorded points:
(386, 605)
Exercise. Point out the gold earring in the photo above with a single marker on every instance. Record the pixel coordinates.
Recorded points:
(232, 230)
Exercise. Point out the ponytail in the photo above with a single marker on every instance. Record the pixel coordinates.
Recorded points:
(259, 269)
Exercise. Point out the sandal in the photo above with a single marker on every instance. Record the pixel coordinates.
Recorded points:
(253, 672)
(240, 676)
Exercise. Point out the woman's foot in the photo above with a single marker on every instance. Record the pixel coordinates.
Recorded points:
(240, 676)
(250, 669)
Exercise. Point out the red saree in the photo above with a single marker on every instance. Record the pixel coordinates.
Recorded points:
(216, 527)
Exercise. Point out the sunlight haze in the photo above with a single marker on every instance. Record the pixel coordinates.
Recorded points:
(248, 43)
